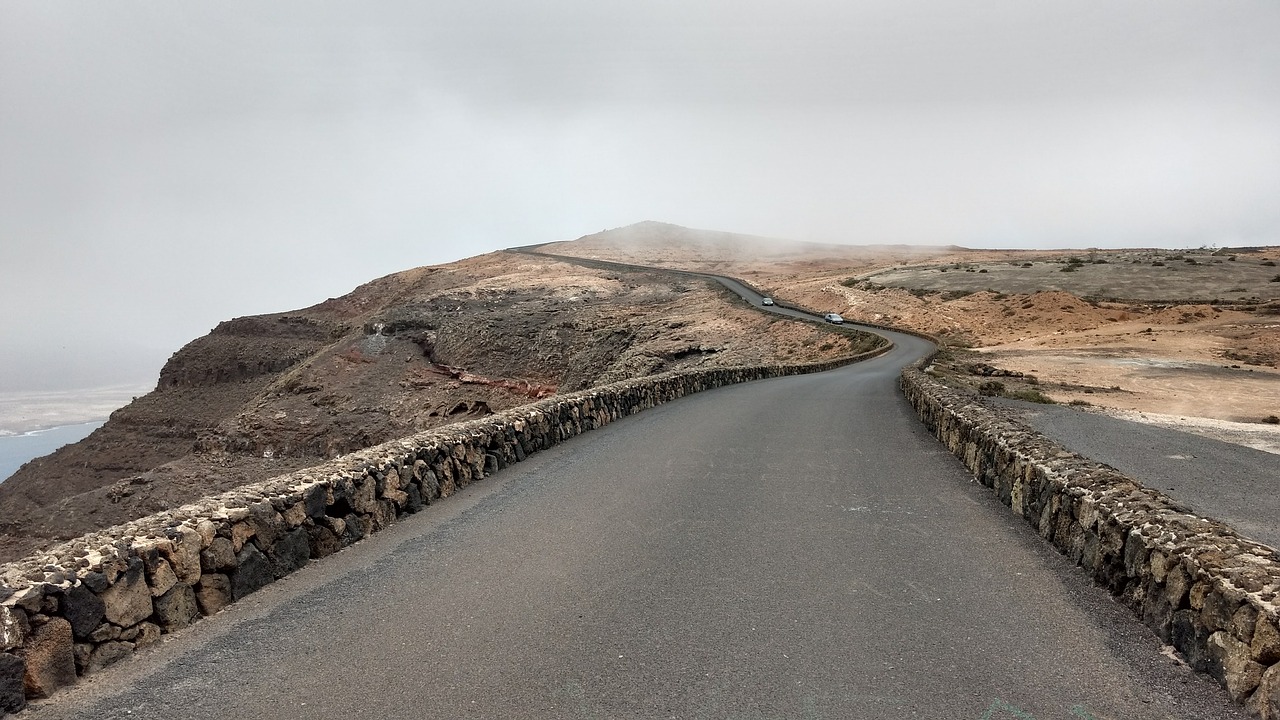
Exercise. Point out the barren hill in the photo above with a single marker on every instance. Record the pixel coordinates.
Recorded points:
(262, 395)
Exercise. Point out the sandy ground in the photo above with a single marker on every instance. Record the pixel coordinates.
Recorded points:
(1187, 339)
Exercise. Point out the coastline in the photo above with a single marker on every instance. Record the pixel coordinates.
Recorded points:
(19, 449)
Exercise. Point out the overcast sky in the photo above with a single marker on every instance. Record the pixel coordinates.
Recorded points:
(164, 166)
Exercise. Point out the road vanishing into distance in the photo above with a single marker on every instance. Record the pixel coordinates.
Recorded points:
(790, 548)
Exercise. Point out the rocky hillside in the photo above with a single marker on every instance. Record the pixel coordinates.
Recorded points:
(262, 395)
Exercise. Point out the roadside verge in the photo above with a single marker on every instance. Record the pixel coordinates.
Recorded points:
(90, 602)
(1211, 594)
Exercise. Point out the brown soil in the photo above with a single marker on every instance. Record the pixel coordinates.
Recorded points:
(1163, 334)
(264, 395)
(1196, 345)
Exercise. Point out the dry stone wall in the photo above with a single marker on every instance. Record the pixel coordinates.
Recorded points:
(88, 603)
(1198, 585)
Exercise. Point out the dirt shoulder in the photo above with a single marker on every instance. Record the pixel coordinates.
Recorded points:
(1189, 337)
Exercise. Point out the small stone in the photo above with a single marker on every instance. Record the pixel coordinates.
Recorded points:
(240, 534)
(161, 578)
(82, 651)
(291, 551)
(128, 601)
(95, 581)
(295, 515)
(1229, 664)
(266, 523)
(14, 627)
(106, 654)
(207, 531)
(1216, 612)
(51, 664)
(253, 571)
(148, 634)
(176, 608)
(1190, 638)
(355, 529)
(337, 525)
(213, 593)
(104, 632)
(183, 554)
(31, 598)
(365, 496)
(83, 609)
(315, 498)
(322, 540)
(1265, 647)
(220, 555)
(1265, 702)
(1243, 623)
(12, 695)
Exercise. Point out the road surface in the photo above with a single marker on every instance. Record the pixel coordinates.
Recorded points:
(790, 548)
(1230, 483)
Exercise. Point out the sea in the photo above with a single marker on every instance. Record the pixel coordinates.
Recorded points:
(15, 450)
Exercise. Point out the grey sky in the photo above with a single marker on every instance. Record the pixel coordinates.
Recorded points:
(164, 166)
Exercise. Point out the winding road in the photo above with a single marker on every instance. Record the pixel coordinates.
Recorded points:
(790, 548)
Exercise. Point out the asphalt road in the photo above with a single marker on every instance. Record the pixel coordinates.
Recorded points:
(790, 548)
(1231, 483)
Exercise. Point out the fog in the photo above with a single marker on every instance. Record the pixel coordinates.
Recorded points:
(167, 166)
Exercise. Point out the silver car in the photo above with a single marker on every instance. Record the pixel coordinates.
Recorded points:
(766, 301)
(833, 318)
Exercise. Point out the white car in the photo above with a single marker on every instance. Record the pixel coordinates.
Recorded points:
(766, 301)
(833, 318)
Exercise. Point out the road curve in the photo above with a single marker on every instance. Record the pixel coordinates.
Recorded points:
(790, 548)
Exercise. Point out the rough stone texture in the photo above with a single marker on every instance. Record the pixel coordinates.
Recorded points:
(50, 661)
(161, 577)
(184, 554)
(12, 696)
(1210, 593)
(13, 627)
(106, 654)
(128, 601)
(1265, 645)
(213, 593)
(1229, 663)
(176, 608)
(83, 609)
(220, 555)
(291, 551)
(1265, 701)
(200, 557)
(322, 541)
(147, 634)
(253, 571)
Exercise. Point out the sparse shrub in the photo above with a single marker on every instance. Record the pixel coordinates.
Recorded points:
(825, 346)
(1080, 403)
(991, 388)
(1034, 396)
(1157, 263)
(1069, 268)
(1268, 263)
(1191, 261)
(1026, 265)
(1271, 420)
(982, 270)
(1099, 261)
(1276, 279)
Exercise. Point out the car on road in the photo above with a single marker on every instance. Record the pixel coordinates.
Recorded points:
(766, 301)
(833, 318)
